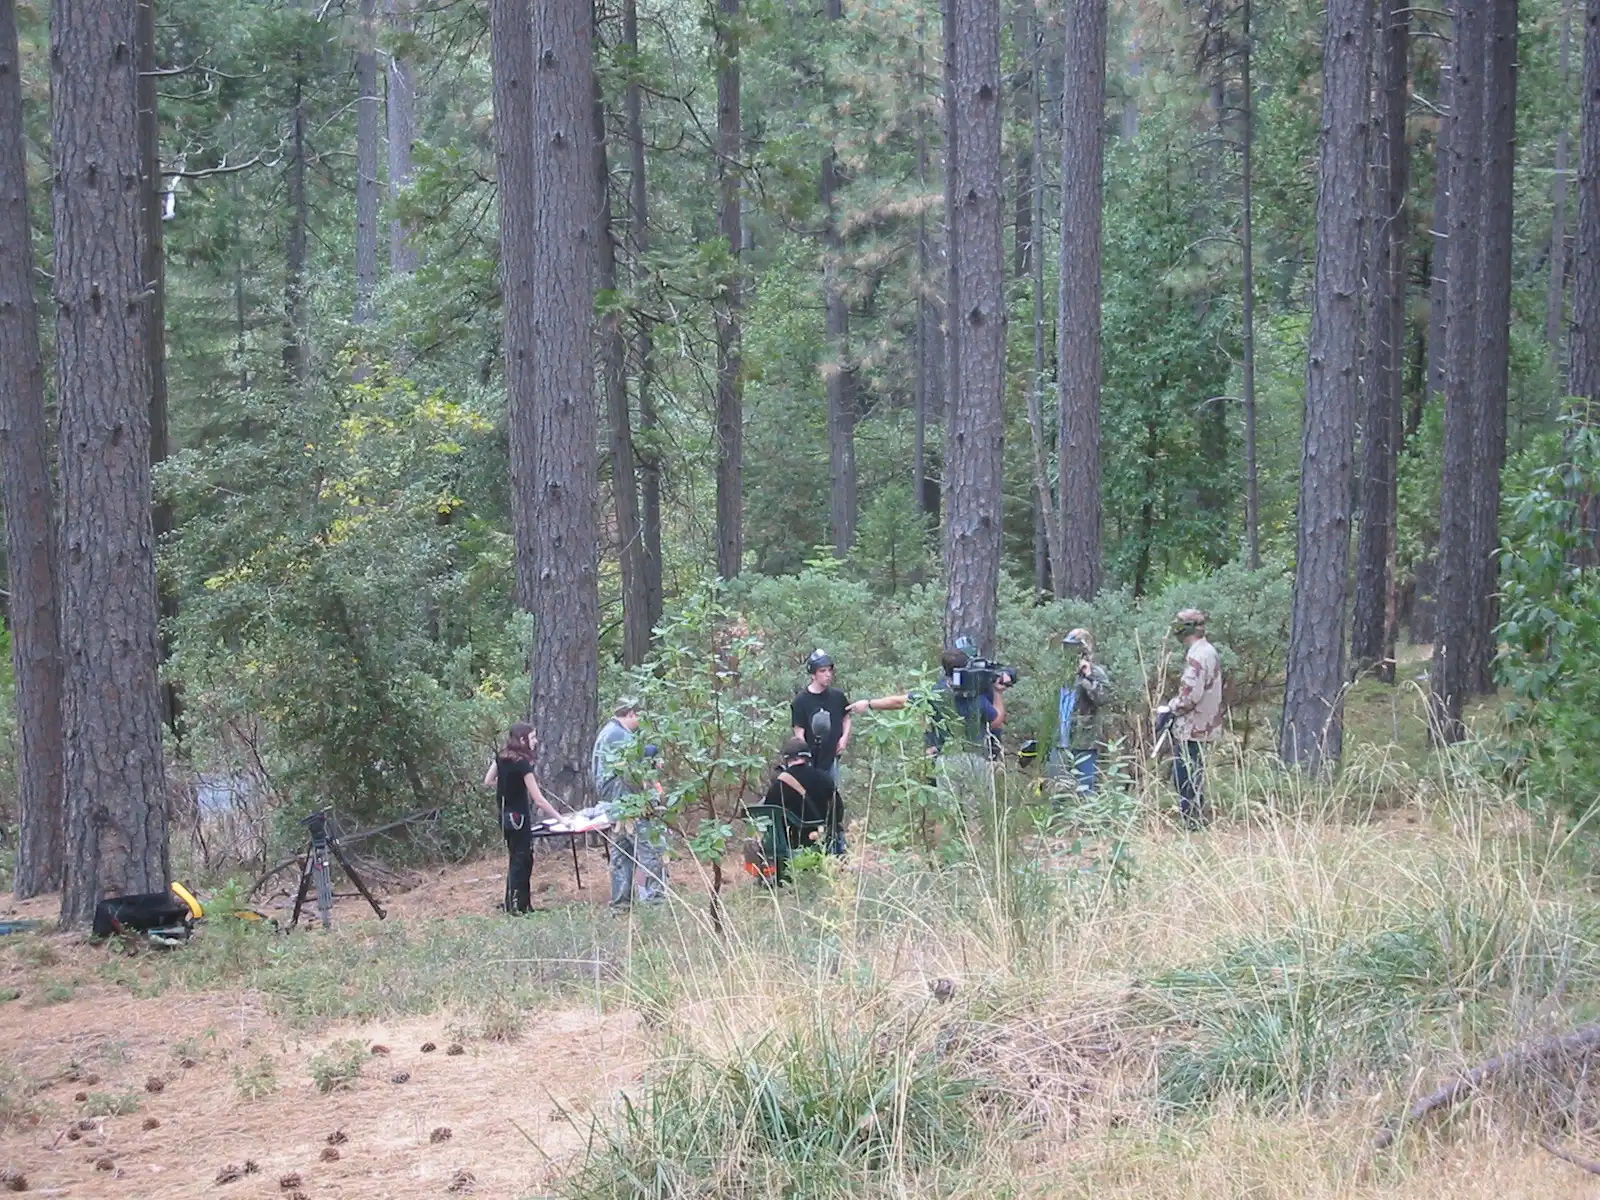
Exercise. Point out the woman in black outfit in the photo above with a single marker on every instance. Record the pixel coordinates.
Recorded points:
(511, 775)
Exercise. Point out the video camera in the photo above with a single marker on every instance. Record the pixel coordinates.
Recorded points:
(980, 675)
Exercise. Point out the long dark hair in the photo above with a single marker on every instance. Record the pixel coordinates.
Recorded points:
(520, 743)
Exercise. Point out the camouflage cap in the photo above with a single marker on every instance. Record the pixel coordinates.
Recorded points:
(1190, 620)
(1080, 637)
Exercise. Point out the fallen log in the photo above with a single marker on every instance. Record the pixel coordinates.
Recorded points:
(1577, 1043)
(1587, 1164)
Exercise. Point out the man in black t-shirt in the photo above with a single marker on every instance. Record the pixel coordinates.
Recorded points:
(820, 715)
(810, 797)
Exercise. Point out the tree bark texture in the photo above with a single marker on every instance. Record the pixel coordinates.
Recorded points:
(1078, 339)
(644, 352)
(1556, 290)
(1451, 677)
(1311, 735)
(366, 159)
(296, 360)
(930, 348)
(1371, 641)
(400, 108)
(730, 366)
(619, 422)
(564, 427)
(1439, 233)
(1247, 138)
(116, 796)
(1049, 545)
(511, 65)
(153, 259)
(1585, 333)
(32, 611)
(1024, 88)
(1494, 335)
(975, 437)
(838, 371)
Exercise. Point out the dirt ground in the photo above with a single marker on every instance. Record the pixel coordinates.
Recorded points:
(134, 1098)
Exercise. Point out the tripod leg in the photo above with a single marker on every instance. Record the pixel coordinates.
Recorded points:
(356, 879)
(300, 896)
(572, 844)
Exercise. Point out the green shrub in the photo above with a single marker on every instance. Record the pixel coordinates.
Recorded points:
(338, 1065)
(1550, 610)
(260, 1078)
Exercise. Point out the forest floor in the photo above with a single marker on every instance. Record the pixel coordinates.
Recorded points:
(248, 1064)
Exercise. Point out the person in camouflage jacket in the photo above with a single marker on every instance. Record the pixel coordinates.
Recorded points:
(1081, 703)
(1195, 714)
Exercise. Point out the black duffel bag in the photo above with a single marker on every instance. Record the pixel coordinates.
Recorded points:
(140, 914)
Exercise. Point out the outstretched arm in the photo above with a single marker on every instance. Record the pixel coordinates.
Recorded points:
(537, 797)
(879, 704)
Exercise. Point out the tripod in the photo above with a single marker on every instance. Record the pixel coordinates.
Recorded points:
(318, 870)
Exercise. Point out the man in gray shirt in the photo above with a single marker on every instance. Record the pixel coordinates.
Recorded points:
(639, 843)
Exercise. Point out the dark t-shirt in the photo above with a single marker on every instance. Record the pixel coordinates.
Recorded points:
(818, 803)
(803, 711)
(513, 791)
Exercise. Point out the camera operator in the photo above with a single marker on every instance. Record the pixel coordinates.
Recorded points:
(820, 714)
(511, 775)
(810, 797)
(1195, 715)
(639, 843)
(973, 701)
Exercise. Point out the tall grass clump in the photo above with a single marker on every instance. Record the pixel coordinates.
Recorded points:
(825, 1108)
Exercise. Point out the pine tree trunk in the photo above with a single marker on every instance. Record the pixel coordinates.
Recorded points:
(32, 611)
(564, 427)
(296, 361)
(1458, 577)
(401, 110)
(975, 438)
(1386, 282)
(366, 160)
(1439, 236)
(1247, 137)
(730, 384)
(1049, 545)
(619, 423)
(116, 796)
(1024, 87)
(1311, 735)
(511, 65)
(837, 371)
(644, 353)
(1585, 332)
(153, 258)
(929, 398)
(1494, 335)
(1558, 210)
(1078, 336)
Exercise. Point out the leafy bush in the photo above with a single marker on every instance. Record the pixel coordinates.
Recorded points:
(1550, 609)
(1551, 615)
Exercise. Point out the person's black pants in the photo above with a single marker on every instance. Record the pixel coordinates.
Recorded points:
(1189, 773)
(519, 870)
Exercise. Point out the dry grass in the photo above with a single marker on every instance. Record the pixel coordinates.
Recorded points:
(1234, 1018)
